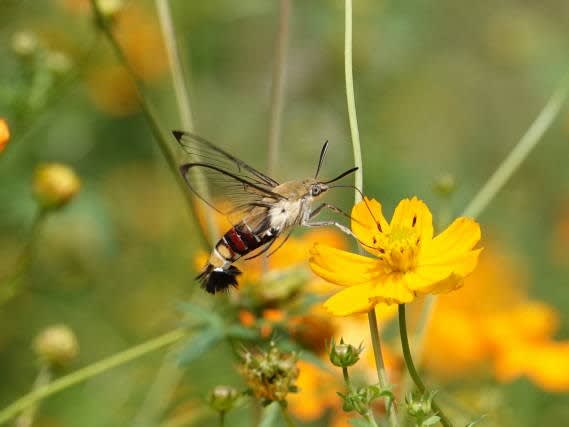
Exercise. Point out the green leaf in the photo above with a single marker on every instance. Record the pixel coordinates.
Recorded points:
(270, 416)
(198, 345)
(431, 421)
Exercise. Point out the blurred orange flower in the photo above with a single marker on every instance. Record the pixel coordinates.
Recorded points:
(491, 324)
(4, 134)
(138, 33)
(316, 394)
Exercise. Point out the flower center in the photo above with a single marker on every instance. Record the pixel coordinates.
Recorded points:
(400, 248)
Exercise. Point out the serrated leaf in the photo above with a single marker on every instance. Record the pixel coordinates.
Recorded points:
(270, 416)
(359, 422)
(431, 420)
(198, 345)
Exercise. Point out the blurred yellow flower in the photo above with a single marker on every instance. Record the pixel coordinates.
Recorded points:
(316, 392)
(4, 134)
(408, 260)
(491, 325)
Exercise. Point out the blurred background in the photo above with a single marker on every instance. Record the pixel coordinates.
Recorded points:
(443, 92)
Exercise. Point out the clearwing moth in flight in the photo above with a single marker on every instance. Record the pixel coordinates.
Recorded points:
(259, 208)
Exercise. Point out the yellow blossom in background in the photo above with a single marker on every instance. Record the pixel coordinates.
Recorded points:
(316, 392)
(491, 325)
(4, 134)
(408, 261)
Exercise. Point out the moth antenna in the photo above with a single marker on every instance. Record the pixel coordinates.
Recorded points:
(321, 160)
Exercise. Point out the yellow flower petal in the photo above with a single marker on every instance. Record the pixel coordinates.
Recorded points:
(444, 276)
(341, 267)
(352, 300)
(461, 236)
(367, 222)
(414, 213)
(391, 289)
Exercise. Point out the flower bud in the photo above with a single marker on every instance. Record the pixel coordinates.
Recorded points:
(344, 355)
(4, 134)
(55, 185)
(223, 398)
(271, 374)
(56, 345)
(58, 62)
(24, 43)
(419, 406)
(110, 8)
(445, 184)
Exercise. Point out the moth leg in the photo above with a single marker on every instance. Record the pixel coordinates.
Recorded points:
(342, 228)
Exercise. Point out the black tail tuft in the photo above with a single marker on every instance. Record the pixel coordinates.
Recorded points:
(215, 279)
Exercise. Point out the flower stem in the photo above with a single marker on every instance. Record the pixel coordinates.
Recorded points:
(380, 367)
(286, 416)
(221, 418)
(90, 371)
(520, 152)
(11, 283)
(347, 378)
(352, 102)
(278, 86)
(43, 379)
(150, 115)
(411, 366)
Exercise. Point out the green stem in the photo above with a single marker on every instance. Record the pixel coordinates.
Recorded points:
(347, 378)
(43, 379)
(278, 86)
(380, 366)
(150, 115)
(90, 371)
(370, 419)
(10, 284)
(352, 102)
(286, 416)
(520, 152)
(411, 366)
(221, 418)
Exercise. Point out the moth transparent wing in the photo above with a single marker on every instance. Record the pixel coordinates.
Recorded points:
(229, 194)
(200, 150)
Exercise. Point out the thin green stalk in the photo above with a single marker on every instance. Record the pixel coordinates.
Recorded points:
(169, 375)
(278, 86)
(358, 176)
(411, 366)
(380, 366)
(347, 378)
(221, 418)
(90, 371)
(10, 284)
(370, 419)
(150, 115)
(43, 379)
(180, 87)
(286, 416)
(520, 152)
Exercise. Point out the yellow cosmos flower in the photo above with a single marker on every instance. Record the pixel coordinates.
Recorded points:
(408, 261)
